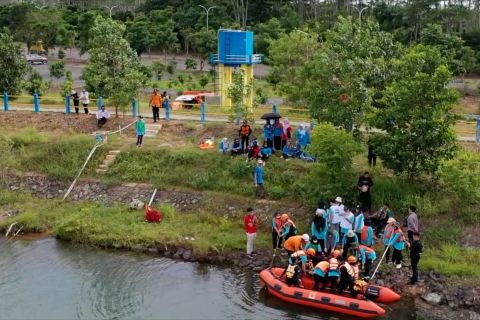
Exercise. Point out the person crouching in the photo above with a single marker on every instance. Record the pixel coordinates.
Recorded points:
(348, 276)
(102, 117)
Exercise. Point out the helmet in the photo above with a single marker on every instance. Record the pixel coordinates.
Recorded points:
(311, 252)
(350, 233)
(352, 259)
(305, 237)
(284, 217)
(338, 199)
(391, 220)
(336, 253)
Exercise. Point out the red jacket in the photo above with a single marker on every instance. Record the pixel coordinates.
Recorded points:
(251, 223)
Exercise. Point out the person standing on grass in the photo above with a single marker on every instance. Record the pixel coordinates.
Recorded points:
(268, 133)
(365, 184)
(398, 242)
(244, 134)
(84, 97)
(287, 132)
(156, 103)
(76, 100)
(412, 223)
(416, 249)
(277, 135)
(141, 128)
(387, 236)
(259, 179)
(251, 230)
(372, 155)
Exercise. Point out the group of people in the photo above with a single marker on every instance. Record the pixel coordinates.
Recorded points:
(83, 97)
(339, 250)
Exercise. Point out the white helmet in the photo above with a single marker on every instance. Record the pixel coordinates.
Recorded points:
(306, 237)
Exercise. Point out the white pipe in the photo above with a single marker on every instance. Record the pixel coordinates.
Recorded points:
(153, 196)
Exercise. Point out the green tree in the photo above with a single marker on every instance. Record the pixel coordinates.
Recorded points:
(162, 33)
(13, 66)
(238, 91)
(203, 81)
(190, 64)
(417, 118)
(138, 34)
(57, 69)
(267, 33)
(36, 84)
(346, 76)
(332, 174)
(158, 69)
(114, 70)
(68, 84)
(204, 43)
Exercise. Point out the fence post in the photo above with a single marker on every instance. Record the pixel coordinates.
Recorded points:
(203, 111)
(478, 129)
(6, 105)
(275, 108)
(167, 109)
(67, 104)
(100, 102)
(135, 108)
(36, 102)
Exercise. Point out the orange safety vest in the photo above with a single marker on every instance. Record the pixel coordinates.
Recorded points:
(364, 233)
(388, 232)
(156, 100)
(245, 130)
(323, 265)
(333, 264)
(293, 243)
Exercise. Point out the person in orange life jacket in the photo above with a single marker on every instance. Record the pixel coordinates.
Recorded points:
(236, 148)
(348, 275)
(250, 224)
(359, 222)
(387, 235)
(348, 239)
(289, 228)
(244, 134)
(367, 238)
(277, 135)
(366, 256)
(334, 270)
(276, 230)
(416, 249)
(398, 242)
(296, 243)
(319, 226)
(254, 150)
(320, 274)
(296, 267)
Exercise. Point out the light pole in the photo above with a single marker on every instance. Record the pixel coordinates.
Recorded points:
(110, 9)
(207, 11)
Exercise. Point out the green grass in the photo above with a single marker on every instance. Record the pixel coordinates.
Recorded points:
(452, 260)
(118, 227)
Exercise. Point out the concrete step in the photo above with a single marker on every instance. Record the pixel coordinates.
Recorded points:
(110, 157)
(108, 162)
(101, 171)
(103, 166)
(114, 152)
(155, 126)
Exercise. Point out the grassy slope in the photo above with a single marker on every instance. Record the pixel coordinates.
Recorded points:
(441, 210)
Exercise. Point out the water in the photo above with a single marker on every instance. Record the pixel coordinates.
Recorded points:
(48, 279)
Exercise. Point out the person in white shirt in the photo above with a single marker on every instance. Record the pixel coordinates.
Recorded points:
(102, 116)
(85, 100)
(359, 222)
(335, 212)
(346, 222)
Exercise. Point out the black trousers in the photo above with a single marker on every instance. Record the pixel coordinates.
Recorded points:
(270, 143)
(347, 284)
(260, 191)
(139, 140)
(414, 261)
(397, 256)
(372, 160)
(365, 198)
(101, 122)
(156, 113)
(387, 255)
(85, 108)
(366, 267)
(244, 143)
(277, 143)
(410, 236)
(318, 279)
(333, 282)
(276, 238)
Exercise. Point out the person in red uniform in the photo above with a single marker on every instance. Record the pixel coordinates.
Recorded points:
(251, 229)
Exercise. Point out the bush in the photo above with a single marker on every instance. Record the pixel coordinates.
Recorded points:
(190, 64)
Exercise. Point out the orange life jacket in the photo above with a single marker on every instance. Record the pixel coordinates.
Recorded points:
(364, 233)
(245, 130)
(323, 265)
(156, 100)
(333, 264)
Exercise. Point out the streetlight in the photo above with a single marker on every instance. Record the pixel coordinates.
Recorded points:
(110, 8)
(207, 11)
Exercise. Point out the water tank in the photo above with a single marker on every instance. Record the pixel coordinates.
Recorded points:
(235, 47)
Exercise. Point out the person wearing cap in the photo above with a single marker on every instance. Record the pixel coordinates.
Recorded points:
(156, 103)
(250, 224)
(294, 271)
(365, 184)
(332, 240)
(296, 243)
(319, 227)
(244, 133)
(259, 180)
(348, 240)
(346, 221)
(76, 100)
(254, 150)
(224, 145)
(359, 222)
(334, 270)
(366, 256)
(348, 275)
(336, 210)
(289, 228)
(276, 230)
(387, 235)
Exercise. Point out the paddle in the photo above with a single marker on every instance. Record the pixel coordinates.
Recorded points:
(380, 262)
(275, 251)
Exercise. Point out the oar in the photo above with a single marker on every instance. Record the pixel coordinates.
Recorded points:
(153, 196)
(275, 251)
(380, 262)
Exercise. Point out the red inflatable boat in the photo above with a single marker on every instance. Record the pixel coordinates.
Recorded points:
(358, 307)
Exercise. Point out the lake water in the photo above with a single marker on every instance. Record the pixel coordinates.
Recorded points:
(48, 279)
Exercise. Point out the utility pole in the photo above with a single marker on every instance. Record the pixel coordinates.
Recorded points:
(207, 12)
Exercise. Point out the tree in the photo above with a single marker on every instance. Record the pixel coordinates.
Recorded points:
(13, 66)
(204, 43)
(267, 33)
(332, 174)
(417, 118)
(138, 34)
(162, 34)
(190, 64)
(238, 92)
(57, 69)
(346, 76)
(114, 70)
(68, 84)
(158, 69)
(35, 83)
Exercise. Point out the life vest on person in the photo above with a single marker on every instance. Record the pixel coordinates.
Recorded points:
(290, 271)
(402, 236)
(367, 249)
(364, 236)
(245, 130)
(323, 265)
(349, 269)
(206, 144)
(333, 264)
(388, 232)
(356, 272)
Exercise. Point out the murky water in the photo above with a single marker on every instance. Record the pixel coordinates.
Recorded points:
(48, 279)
